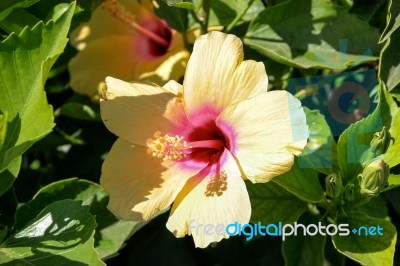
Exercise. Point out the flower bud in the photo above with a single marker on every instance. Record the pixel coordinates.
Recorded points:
(381, 141)
(333, 185)
(349, 192)
(374, 177)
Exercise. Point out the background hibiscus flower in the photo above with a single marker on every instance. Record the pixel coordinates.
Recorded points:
(128, 41)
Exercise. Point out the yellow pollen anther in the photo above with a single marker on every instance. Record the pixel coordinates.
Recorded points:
(167, 147)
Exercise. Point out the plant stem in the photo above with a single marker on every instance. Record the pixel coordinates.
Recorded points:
(238, 18)
(206, 16)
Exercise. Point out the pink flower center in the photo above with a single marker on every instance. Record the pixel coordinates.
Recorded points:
(197, 139)
(153, 35)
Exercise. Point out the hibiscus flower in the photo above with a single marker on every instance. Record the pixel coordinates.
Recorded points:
(128, 41)
(193, 145)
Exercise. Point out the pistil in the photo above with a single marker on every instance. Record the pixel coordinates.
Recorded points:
(119, 12)
(168, 147)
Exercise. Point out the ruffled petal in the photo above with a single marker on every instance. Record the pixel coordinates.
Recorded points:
(111, 56)
(128, 175)
(115, 56)
(160, 198)
(214, 197)
(269, 130)
(135, 111)
(174, 87)
(216, 74)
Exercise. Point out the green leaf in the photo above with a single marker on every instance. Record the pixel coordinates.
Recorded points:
(8, 6)
(26, 59)
(367, 249)
(318, 152)
(300, 250)
(376, 207)
(8, 175)
(313, 33)
(181, 3)
(393, 20)
(81, 111)
(366, 11)
(302, 182)
(394, 181)
(391, 157)
(224, 12)
(393, 197)
(3, 127)
(8, 206)
(177, 18)
(389, 70)
(61, 234)
(272, 204)
(111, 232)
(354, 144)
(18, 21)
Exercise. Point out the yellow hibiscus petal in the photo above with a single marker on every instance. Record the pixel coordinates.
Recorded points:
(103, 24)
(216, 74)
(174, 87)
(172, 68)
(160, 198)
(270, 129)
(120, 62)
(210, 200)
(128, 175)
(135, 111)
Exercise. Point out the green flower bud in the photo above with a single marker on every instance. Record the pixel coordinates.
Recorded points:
(381, 141)
(333, 185)
(374, 177)
(349, 192)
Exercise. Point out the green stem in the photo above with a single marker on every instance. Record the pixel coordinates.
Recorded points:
(206, 15)
(238, 18)
(203, 21)
(196, 18)
(185, 40)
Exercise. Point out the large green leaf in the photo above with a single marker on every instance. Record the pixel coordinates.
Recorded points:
(62, 234)
(26, 60)
(319, 152)
(7, 6)
(393, 20)
(18, 21)
(392, 157)
(389, 70)
(367, 249)
(300, 250)
(302, 182)
(394, 181)
(9, 174)
(111, 232)
(366, 10)
(272, 204)
(224, 12)
(376, 207)
(312, 33)
(84, 111)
